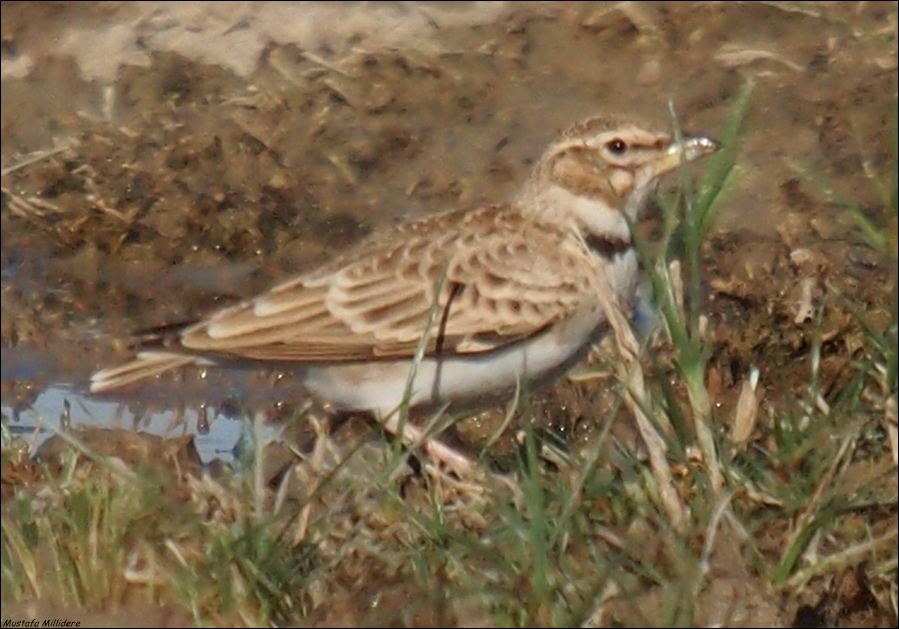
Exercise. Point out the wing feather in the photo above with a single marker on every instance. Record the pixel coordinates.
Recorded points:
(502, 278)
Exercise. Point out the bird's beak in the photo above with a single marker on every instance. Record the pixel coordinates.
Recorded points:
(687, 151)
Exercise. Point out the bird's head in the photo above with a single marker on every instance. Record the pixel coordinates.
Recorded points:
(604, 168)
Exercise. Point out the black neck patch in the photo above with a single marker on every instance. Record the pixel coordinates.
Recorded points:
(607, 246)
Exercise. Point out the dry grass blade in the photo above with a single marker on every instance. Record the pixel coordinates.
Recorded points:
(825, 483)
(30, 209)
(843, 559)
(314, 58)
(890, 414)
(804, 8)
(732, 56)
(637, 398)
(39, 156)
(746, 415)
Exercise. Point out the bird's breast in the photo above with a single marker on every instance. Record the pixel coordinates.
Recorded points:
(621, 274)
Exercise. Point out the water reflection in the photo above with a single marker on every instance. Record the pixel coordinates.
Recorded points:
(61, 409)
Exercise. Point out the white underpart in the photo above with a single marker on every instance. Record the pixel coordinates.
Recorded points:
(381, 386)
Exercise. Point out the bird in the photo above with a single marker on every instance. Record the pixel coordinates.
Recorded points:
(459, 308)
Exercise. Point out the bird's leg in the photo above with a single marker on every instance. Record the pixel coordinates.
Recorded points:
(415, 437)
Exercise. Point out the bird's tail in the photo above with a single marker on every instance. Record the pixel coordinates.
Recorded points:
(145, 365)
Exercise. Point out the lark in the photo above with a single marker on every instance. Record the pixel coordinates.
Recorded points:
(460, 308)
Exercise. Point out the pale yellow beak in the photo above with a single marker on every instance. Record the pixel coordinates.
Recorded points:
(689, 150)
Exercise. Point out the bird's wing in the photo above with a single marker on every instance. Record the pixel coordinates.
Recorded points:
(483, 279)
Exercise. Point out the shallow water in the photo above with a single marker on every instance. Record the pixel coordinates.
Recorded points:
(58, 409)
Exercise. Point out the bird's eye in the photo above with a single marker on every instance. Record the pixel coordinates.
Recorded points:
(616, 146)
